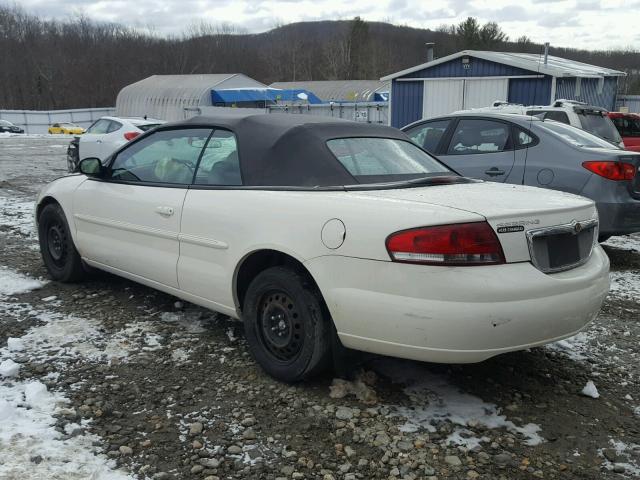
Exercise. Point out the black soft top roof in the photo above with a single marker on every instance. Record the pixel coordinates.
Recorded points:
(290, 149)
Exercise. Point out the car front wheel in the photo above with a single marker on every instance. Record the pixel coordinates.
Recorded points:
(286, 325)
(58, 252)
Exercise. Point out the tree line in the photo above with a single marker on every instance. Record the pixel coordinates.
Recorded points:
(76, 63)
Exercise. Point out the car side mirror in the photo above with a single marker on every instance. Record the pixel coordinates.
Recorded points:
(91, 167)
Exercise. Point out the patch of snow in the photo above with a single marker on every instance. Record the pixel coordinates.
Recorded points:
(575, 347)
(26, 412)
(179, 355)
(14, 283)
(231, 334)
(15, 345)
(625, 242)
(9, 368)
(188, 320)
(590, 390)
(434, 399)
(631, 452)
(465, 438)
(17, 215)
(152, 342)
(625, 284)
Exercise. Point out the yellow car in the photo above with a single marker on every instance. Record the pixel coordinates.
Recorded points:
(66, 128)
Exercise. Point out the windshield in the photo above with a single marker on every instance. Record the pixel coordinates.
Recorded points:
(376, 160)
(575, 136)
(600, 125)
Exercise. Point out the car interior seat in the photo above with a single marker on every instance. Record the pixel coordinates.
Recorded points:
(226, 172)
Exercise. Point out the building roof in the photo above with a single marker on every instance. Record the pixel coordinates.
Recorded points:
(164, 96)
(339, 90)
(555, 66)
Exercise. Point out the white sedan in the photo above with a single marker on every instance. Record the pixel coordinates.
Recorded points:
(107, 134)
(318, 233)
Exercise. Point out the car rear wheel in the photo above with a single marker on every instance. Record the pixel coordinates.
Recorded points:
(286, 325)
(58, 252)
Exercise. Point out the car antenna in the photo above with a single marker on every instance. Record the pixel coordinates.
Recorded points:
(535, 88)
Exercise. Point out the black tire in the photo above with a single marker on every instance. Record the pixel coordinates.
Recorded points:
(287, 325)
(58, 252)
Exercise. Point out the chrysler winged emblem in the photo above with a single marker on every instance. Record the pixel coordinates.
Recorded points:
(577, 227)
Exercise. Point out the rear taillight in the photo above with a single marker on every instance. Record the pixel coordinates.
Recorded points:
(461, 244)
(131, 135)
(612, 170)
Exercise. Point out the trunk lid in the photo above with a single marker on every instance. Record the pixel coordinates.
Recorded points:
(511, 210)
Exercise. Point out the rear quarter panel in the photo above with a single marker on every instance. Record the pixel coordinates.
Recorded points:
(235, 223)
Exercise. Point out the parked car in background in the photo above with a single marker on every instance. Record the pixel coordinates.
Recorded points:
(525, 150)
(7, 127)
(66, 128)
(628, 125)
(577, 114)
(106, 135)
(316, 231)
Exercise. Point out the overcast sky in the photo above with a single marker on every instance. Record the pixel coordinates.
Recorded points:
(591, 24)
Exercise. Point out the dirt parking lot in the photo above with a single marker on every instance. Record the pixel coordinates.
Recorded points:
(114, 380)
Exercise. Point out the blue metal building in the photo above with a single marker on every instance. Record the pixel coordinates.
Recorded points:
(473, 79)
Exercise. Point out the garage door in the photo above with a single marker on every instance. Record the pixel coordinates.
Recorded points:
(482, 93)
(441, 97)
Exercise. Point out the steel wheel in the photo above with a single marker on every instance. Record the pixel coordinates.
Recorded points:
(281, 327)
(286, 324)
(57, 244)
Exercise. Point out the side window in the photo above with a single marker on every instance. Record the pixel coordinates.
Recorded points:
(428, 135)
(479, 136)
(523, 139)
(220, 164)
(558, 117)
(99, 127)
(55, 125)
(113, 126)
(167, 156)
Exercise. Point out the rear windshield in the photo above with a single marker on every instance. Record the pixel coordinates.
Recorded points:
(627, 126)
(600, 125)
(147, 126)
(375, 160)
(575, 136)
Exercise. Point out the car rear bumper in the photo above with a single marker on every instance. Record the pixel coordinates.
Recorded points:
(457, 315)
(619, 218)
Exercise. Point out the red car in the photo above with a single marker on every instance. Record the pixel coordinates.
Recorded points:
(628, 125)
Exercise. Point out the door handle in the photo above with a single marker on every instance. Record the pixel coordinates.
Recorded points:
(164, 211)
(494, 172)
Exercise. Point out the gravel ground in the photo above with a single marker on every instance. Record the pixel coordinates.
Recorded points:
(162, 389)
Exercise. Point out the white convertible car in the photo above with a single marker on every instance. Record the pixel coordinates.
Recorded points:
(313, 230)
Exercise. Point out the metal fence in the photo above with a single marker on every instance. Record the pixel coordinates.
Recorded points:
(629, 102)
(371, 112)
(38, 121)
